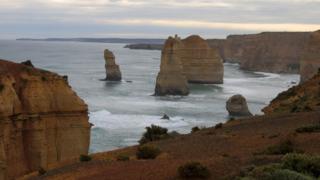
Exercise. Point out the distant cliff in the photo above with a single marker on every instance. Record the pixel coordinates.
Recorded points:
(42, 121)
(276, 52)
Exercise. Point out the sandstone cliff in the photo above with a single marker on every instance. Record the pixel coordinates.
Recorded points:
(277, 52)
(301, 98)
(310, 62)
(42, 121)
(113, 72)
(171, 79)
(201, 63)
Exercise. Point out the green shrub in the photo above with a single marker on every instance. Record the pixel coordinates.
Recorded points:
(302, 163)
(281, 148)
(85, 158)
(154, 133)
(195, 129)
(147, 152)
(123, 157)
(309, 129)
(218, 126)
(194, 170)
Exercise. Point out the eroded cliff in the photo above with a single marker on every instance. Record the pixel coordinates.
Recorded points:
(42, 121)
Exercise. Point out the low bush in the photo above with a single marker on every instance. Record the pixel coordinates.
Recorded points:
(85, 158)
(41, 171)
(147, 152)
(123, 157)
(309, 129)
(154, 133)
(1, 87)
(284, 147)
(195, 129)
(194, 170)
(218, 126)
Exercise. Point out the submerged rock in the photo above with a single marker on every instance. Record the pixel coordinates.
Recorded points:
(237, 106)
(113, 72)
(165, 116)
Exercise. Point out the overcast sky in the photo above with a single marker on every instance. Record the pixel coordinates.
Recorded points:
(154, 18)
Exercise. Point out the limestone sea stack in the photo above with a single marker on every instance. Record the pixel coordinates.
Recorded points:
(237, 106)
(310, 62)
(201, 63)
(190, 60)
(113, 72)
(171, 79)
(42, 121)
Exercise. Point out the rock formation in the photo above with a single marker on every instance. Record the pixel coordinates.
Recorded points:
(310, 62)
(189, 60)
(42, 121)
(113, 72)
(171, 79)
(237, 106)
(302, 98)
(277, 52)
(201, 64)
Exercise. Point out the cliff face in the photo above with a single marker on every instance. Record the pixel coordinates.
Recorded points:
(189, 60)
(277, 52)
(171, 79)
(201, 63)
(42, 121)
(113, 72)
(302, 98)
(310, 62)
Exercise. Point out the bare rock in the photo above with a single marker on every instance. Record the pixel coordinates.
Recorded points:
(113, 72)
(237, 106)
(42, 120)
(310, 62)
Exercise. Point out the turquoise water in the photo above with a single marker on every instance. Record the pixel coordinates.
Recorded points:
(121, 111)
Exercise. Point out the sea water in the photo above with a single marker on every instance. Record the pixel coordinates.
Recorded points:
(121, 110)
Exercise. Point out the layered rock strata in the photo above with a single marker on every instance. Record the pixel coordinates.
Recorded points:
(171, 79)
(187, 61)
(310, 62)
(42, 121)
(237, 106)
(113, 72)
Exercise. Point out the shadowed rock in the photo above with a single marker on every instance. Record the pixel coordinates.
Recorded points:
(237, 106)
(113, 72)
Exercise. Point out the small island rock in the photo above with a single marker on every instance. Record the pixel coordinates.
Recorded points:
(113, 72)
(237, 106)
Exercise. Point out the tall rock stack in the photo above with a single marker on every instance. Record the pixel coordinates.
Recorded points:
(42, 121)
(201, 64)
(113, 72)
(189, 60)
(171, 79)
(310, 62)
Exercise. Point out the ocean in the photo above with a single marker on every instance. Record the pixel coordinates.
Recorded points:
(121, 110)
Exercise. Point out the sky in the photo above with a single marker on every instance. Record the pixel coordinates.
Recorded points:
(154, 18)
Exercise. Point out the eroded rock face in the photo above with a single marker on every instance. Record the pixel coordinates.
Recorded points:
(42, 121)
(310, 62)
(237, 106)
(201, 63)
(189, 60)
(276, 52)
(171, 79)
(113, 72)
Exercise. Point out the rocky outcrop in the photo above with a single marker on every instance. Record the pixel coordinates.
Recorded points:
(302, 98)
(189, 60)
(171, 79)
(113, 72)
(276, 52)
(237, 106)
(310, 62)
(201, 63)
(42, 121)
